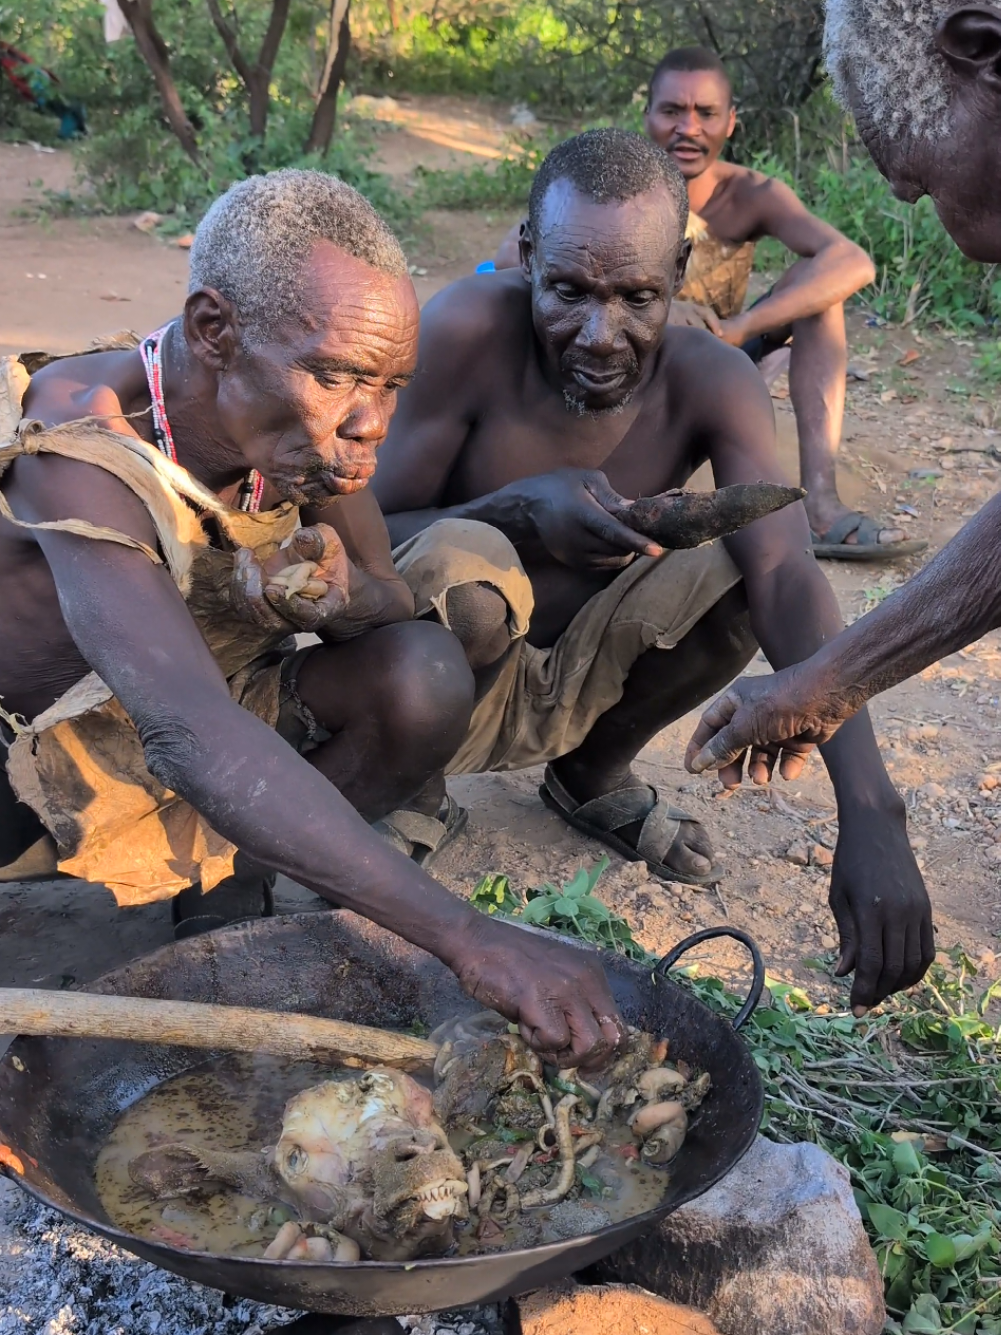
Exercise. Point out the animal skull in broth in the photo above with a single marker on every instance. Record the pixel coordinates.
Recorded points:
(362, 1156)
(365, 1163)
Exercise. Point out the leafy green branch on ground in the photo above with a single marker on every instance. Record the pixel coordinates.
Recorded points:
(908, 1099)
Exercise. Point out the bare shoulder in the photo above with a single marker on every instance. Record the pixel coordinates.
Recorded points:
(99, 384)
(710, 381)
(473, 311)
(748, 186)
(43, 488)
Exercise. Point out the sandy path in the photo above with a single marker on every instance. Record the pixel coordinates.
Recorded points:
(65, 281)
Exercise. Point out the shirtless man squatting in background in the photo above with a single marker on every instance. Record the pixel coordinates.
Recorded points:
(272, 391)
(544, 395)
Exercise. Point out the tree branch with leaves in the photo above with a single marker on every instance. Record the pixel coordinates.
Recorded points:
(255, 76)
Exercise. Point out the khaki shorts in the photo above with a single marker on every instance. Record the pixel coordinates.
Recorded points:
(546, 701)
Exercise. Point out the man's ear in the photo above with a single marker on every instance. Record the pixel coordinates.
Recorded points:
(526, 249)
(211, 328)
(731, 123)
(681, 265)
(970, 40)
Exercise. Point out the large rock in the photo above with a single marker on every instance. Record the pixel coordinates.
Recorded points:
(617, 1309)
(778, 1247)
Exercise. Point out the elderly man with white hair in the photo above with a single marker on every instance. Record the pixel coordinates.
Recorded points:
(173, 510)
(923, 80)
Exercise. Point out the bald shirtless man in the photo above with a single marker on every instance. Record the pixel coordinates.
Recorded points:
(544, 395)
(152, 565)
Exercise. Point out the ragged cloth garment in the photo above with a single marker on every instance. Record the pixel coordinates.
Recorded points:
(79, 765)
(718, 271)
(544, 702)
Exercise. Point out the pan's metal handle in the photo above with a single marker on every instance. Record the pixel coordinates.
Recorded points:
(708, 934)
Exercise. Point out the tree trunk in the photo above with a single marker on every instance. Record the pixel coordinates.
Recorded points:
(153, 50)
(255, 78)
(321, 131)
(393, 21)
(260, 93)
(260, 104)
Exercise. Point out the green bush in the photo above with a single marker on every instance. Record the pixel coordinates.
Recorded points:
(130, 160)
(574, 58)
(504, 186)
(513, 50)
(136, 163)
(920, 274)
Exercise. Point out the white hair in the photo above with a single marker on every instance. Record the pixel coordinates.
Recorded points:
(886, 49)
(252, 244)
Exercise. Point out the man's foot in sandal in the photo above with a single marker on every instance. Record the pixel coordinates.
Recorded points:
(855, 536)
(420, 837)
(637, 823)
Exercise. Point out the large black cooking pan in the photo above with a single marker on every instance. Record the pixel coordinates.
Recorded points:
(59, 1098)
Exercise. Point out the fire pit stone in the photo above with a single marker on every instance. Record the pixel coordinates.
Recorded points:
(777, 1246)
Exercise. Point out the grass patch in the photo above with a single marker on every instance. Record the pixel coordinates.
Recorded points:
(505, 186)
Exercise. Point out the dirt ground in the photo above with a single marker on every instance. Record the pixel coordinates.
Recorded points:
(913, 409)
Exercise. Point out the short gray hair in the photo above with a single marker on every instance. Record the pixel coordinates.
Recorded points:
(253, 242)
(609, 164)
(886, 48)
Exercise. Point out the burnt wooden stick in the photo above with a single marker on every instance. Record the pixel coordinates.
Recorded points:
(189, 1024)
(679, 519)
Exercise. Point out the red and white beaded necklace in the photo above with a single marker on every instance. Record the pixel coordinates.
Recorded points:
(151, 351)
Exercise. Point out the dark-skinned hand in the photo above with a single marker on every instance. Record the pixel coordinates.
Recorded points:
(772, 720)
(692, 315)
(269, 604)
(570, 512)
(881, 906)
(877, 894)
(557, 995)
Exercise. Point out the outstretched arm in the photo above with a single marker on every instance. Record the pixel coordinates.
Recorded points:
(831, 269)
(877, 893)
(949, 604)
(132, 627)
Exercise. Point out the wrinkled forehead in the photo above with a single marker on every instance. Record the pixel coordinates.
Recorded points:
(692, 88)
(347, 306)
(640, 234)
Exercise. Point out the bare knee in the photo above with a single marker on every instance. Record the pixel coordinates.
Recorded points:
(404, 693)
(828, 326)
(423, 696)
(477, 617)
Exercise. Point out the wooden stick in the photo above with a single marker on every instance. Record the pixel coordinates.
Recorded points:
(194, 1025)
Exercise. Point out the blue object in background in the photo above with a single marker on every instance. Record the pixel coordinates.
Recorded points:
(487, 266)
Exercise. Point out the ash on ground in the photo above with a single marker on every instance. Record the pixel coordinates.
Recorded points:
(58, 1279)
